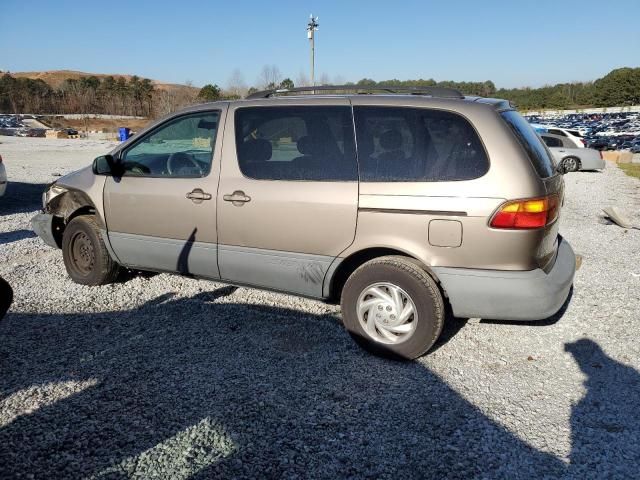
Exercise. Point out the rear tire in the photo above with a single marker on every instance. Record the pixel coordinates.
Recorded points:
(392, 307)
(571, 164)
(85, 255)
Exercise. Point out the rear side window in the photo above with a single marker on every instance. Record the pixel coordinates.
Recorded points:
(296, 143)
(400, 144)
(551, 141)
(557, 132)
(530, 141)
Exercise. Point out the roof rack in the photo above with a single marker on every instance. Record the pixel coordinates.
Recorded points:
(440, 92)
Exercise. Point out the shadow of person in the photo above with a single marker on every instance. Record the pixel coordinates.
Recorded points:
(6, 297)
(203, 387)
(605, 424)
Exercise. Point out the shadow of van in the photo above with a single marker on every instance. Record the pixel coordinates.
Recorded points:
(198, 387)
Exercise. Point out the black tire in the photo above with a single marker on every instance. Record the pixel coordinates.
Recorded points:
(419, 287)
(6, 297)
(85, 255)
(571, 164)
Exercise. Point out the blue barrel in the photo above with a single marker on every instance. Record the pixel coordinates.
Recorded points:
(124, 133)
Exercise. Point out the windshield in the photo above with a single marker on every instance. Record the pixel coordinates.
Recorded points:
(531, 142)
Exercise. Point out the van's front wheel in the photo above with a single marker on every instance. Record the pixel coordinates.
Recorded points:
(85, 255)
(391, 306)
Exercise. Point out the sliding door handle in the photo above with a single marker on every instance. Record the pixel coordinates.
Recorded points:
(238, 198)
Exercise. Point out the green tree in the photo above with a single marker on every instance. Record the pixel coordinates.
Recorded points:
(210, 93)
(286, 83)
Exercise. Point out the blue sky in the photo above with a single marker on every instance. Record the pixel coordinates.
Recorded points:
(513, 43)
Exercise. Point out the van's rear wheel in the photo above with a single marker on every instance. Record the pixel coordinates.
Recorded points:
(391, 306)
(85, 255)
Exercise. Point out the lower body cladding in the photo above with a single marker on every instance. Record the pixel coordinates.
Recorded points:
(510, 295)
(297, 273)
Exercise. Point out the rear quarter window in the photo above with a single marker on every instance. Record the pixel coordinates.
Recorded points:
(531, 142)
(403, 144)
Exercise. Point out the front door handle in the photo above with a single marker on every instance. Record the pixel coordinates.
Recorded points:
(197, 195)
(238, 198)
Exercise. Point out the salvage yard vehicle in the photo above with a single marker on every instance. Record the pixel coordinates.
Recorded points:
(398, 205)
(572, 159)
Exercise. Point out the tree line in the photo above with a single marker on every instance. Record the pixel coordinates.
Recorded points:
(140, 97)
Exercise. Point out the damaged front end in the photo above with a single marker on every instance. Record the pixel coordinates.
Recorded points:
(59, 205)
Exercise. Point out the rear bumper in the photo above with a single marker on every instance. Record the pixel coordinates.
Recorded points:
(510, 295)
(42, 225)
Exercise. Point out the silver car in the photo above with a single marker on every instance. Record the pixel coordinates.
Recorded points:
(571, 158)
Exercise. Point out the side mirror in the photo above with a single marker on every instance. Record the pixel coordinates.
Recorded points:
(107, 165)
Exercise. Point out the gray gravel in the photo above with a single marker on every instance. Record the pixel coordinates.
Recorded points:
(165, 377)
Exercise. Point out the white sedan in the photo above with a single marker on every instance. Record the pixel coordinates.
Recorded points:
(3, 178)
(571, 158)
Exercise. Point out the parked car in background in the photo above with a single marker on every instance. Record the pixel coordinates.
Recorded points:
(3, 178)
(598, 143)
(635, 148)
(573, 135)
(613, 143)
(571, 159)
(387, 204)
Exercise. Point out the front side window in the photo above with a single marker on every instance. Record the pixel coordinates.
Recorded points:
(311, 143)
(182, 148)
(400, 144)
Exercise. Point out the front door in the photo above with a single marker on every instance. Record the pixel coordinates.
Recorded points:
(288, 196)
(161, 214)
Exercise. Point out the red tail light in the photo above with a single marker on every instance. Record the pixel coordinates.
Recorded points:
(526, 214)
(584, 142)
(600, 152)
(0, 158)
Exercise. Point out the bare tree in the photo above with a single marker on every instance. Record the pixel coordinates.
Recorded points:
(339, 80)
(270, 76)
(324, 79)
(236, 85)
(302, 80)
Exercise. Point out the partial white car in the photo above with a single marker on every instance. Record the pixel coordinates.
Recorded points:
(571, 158)
(574, 135)
(3, 178)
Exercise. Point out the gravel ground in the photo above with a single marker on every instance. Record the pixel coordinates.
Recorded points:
(165, 377)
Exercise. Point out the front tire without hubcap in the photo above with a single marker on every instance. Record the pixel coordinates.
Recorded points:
(392, 306)
(85, 255)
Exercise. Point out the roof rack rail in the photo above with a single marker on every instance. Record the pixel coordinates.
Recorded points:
(440, 92)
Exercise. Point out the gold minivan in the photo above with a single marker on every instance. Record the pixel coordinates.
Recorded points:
(393, 204)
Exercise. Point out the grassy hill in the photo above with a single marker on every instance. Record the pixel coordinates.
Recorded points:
(55, 78)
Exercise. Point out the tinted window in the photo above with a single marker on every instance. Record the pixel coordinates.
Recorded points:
(416, 145)
(530, 141)
(182, 147)
(557, 132)
(575, 133)
(551, 141)
(296, 143)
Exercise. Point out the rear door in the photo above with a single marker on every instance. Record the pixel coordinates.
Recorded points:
(161, 214)
(288, 195)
